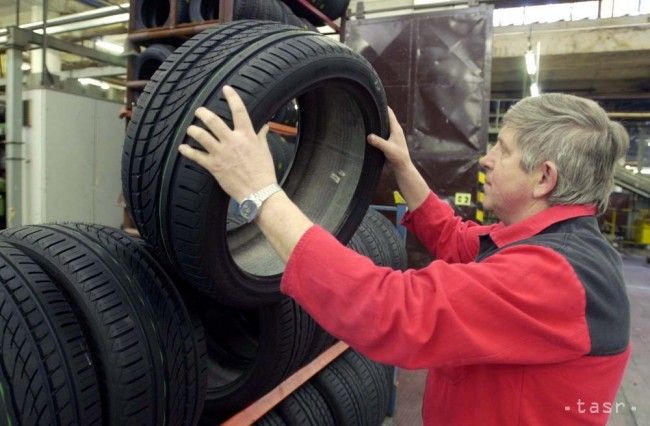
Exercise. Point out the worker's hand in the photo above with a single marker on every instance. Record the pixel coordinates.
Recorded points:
(238, 159)
(395, 148)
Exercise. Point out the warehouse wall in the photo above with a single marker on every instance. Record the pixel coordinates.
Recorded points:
(73, 148)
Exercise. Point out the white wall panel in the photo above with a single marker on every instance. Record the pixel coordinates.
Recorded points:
(73, 159)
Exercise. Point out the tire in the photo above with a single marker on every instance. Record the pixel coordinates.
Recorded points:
(333, 9)
(147, 62)
(181, 339)
(267, 10)
(250, 352)
(343, 392)
(378, 239)
(375, 385)
(117, 311)
(47, 372)
(271, 419)
(157, 13)
(322, 341)
(177, 206)
(204, 10)
(305, 407)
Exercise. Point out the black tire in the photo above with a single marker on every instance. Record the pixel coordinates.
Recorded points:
(204, 10)
(375, 385)
(333, 9)
(147, 62)
(47, 373)
(267, 10)
(271, 419)
(117, 315)
(157, 13)
(343, 392)
(322, 341)
(378, 239)
(306, 407)
(180, 335)
(341, 100)
(250, 352)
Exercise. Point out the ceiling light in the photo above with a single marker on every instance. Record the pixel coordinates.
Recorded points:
(93, 82)
(110, 47)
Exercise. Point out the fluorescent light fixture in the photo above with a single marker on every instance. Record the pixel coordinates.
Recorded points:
(110, 47)
(531, 64)
(93, 82)
(26, 67)
(425, 2)
(534, 90)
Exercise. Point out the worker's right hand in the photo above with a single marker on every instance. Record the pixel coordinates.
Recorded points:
(395, 148)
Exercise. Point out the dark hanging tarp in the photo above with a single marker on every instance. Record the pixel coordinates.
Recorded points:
(436, 69)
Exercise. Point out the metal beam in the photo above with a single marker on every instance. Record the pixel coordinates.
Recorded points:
(94, 72)
(568, 38)
(14, 145)
(22, 38)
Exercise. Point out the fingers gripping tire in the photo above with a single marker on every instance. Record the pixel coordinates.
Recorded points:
(47, 373)
(176, 204)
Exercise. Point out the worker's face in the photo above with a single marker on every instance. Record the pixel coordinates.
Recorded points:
(508, 188)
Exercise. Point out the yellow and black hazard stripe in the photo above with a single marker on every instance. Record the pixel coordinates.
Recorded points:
(480, 213)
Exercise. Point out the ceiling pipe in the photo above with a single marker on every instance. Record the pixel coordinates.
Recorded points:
(93, 18)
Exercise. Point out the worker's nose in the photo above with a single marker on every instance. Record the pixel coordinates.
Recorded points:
(486, 161)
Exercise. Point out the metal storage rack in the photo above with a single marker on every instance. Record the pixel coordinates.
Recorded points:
(178, 32)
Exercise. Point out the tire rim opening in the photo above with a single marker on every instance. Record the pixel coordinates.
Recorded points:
(210, 10)
(155, 13)
(232, 339)
(322, 177)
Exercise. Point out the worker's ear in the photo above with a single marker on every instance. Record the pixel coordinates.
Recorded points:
(546, 179)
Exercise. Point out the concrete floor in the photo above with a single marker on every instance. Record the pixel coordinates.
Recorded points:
(634, 396)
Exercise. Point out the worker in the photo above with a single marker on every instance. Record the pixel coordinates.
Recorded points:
(522, 322)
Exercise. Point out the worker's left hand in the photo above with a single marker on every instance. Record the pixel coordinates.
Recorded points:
(238, 158)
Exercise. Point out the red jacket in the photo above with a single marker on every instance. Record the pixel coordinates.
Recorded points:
(525, 324)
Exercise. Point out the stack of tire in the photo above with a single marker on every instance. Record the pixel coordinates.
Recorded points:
(93, 331)
(150, 14)
(189, 325)
(256, 336)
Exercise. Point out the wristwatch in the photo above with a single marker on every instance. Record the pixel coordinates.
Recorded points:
(250, 206)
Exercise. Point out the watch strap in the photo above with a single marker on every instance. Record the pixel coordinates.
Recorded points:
(264, 193)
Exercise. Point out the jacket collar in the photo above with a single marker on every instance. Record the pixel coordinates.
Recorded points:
(502, 235)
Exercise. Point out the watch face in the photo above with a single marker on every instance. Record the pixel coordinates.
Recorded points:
(248, 209)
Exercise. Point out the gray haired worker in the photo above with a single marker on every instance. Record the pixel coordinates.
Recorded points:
(521, 322)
